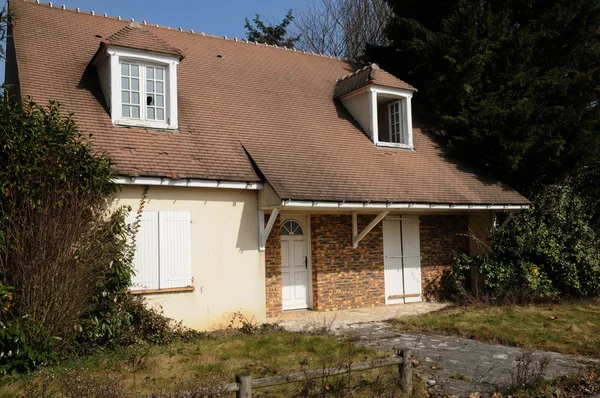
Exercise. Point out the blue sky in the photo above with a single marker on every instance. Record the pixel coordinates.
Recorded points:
(218, 17)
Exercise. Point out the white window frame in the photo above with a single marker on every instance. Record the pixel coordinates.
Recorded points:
(169, 63)
(404, 96)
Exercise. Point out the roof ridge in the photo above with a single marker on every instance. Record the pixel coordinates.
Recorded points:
(191, 31)
(369, 66)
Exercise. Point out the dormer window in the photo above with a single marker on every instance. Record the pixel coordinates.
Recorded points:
(139, 84)
(143, 92)
(397, 119)
(382, 110)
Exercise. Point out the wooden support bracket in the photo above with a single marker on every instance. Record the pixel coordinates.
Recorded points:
(356, 237)
(264, 231)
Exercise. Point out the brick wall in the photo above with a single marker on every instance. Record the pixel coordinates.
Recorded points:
(441, 237)
(273, 284)
(344, 277)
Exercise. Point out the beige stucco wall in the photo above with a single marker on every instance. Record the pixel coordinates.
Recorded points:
(227, 268)
(358, 106)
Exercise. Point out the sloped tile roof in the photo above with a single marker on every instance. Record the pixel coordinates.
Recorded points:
(370, 74)
(137, 37)
(239, 101)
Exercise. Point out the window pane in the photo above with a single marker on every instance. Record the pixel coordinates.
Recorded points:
(135, 84)
(150, 100)
(135, 98)
(125, 83)
(150, 72)
(135, 112)
(160, 100)
(150, 86)
(159, 87)
(160, 114)
(125, 110)
(151, 113)
(135, 70)
(125, 97)
(159, 74)
(125, 69)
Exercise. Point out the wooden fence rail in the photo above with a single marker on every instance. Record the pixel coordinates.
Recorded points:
(244, 382)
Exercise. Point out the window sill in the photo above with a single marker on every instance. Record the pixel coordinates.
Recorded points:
(394, 145)
(145, 125)
(160, 291)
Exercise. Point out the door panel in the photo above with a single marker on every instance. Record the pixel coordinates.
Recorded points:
(392, 251)
(294, 252)
(402, 261)
(412, 258)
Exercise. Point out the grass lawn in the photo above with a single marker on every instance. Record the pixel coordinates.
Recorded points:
(571, 328)
(150, 369)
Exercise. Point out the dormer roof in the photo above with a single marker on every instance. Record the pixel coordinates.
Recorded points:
(370, 74)
(135, 36)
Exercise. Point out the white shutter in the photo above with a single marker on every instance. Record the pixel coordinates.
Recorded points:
(392, 262)
(175, 249)
(146, 251)
(411, 256)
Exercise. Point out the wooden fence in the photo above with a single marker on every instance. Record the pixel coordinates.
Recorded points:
(245, 384)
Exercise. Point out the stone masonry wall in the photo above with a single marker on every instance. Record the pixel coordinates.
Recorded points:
(344, 277)
(441, 237)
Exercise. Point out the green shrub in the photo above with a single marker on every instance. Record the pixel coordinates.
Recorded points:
(546, 252)
(66, 252)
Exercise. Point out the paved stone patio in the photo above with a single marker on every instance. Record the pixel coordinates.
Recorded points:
(460, 366)
(340, 320)
(452, 365)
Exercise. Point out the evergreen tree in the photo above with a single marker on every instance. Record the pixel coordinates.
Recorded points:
(512, 85)
(270, 34)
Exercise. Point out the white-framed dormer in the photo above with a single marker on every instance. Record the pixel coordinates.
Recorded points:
(384, 113)
(391, 117)
(140, 87)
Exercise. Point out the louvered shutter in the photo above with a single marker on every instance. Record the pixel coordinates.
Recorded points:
(146, 251)
(411, 256)
(175, 249)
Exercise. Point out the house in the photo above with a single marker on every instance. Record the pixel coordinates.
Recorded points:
(274, 180)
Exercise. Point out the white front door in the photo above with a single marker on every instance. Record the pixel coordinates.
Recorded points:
(402, 259)
(294, 263)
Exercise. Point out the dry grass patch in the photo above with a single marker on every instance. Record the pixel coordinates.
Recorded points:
(143, 370)
(572, 328)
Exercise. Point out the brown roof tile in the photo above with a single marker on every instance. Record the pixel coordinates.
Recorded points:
(370, 74)
(272, 103)
(135, 36)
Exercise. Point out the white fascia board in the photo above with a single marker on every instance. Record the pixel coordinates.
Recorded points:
(375, 205)
(391, 91)
(191, 183)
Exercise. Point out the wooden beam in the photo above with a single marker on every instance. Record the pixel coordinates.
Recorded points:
(368, 228)
(264, 232)
(510, 216)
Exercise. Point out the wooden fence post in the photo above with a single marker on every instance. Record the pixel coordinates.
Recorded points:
(405, 370)
(245, 382)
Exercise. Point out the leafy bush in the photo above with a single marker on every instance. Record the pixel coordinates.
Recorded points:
(544, 253)
(55, 199)
(64, 250)
(16, 355)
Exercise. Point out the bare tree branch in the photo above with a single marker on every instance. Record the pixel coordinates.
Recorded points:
(342, 28)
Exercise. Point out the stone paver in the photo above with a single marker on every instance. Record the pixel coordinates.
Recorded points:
(446, 359)
(458, 366)
(339, 320)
